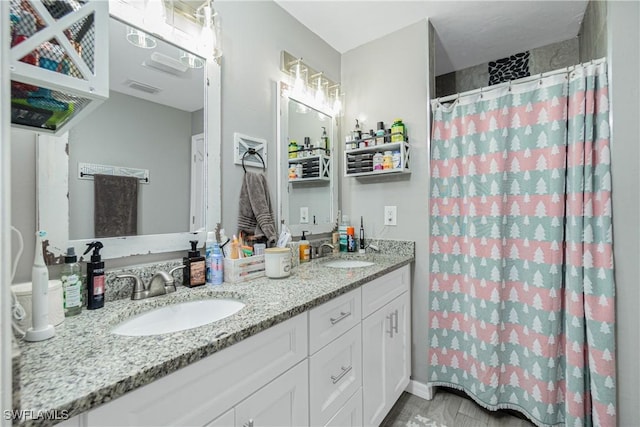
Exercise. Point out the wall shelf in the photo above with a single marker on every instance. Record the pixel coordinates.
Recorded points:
(58, 61)
(317, 168)
(358, 162)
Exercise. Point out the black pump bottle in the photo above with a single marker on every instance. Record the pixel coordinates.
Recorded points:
(95, 277)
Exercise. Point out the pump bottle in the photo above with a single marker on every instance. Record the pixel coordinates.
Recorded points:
(95, 277)
(304, 248)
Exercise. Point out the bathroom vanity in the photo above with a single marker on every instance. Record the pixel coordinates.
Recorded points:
(325, 346)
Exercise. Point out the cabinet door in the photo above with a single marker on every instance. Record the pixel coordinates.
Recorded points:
(350, 415)
(283, 402)
(335, 374)
(375, 328)
(398, 348)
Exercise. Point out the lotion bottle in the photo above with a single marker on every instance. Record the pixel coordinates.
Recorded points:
(71, 284)
(95, 277)
(305, 248)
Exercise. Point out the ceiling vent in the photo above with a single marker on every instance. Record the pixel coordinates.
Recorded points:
(165, 63)
(142, 87)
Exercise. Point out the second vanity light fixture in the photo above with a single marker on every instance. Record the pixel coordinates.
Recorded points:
(310, 86)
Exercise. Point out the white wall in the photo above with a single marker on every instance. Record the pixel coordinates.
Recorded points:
(254, 34)
(385, 79)
(623, 23)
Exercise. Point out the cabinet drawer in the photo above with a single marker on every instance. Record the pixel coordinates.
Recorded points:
(335, 374)
(333, 318)
(202, 391)
(380, 291)
(350, 415)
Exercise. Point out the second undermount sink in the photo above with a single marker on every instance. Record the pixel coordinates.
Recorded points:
(348, 263)
(178, 317)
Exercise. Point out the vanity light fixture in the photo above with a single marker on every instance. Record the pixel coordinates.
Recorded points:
(319, 92)
(210, 37)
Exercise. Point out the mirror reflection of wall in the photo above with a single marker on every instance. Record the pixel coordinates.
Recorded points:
(144, 130)
(309, 187)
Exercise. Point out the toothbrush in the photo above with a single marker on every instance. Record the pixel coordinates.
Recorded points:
(41, 329)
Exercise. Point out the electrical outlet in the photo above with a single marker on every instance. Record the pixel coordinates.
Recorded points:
(390, 215)
(304, 215)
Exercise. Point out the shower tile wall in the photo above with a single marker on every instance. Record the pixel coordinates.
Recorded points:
(542, 59)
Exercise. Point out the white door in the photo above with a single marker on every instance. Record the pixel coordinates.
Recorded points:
(284, 402)
(197, 213)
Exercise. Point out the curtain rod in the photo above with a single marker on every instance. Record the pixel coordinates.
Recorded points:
(515, 82)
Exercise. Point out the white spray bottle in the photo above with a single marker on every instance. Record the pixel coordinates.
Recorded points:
(41, 329)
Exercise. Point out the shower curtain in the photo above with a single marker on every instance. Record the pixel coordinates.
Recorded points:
(521, 311)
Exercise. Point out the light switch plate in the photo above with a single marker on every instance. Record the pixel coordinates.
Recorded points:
(390, 215)
(304, 215)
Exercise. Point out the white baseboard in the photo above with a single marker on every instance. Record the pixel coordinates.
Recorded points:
(420, 389)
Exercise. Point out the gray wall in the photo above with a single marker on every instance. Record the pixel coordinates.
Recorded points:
(593, 32)
(624, 56)
(254, 34)
(131, 132)
(378, 93)
(546, 58)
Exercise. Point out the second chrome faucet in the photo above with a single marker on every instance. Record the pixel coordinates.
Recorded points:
(161, 283)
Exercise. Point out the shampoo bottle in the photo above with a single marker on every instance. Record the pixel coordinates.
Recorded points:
(195, 267)
(95, 277)
(71, 284)
(305, 248)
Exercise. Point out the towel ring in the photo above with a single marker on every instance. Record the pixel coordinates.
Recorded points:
(253, 152)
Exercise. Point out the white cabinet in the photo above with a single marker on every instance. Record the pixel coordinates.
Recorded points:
(283, 402)
(386, 360)
(351, 413)
(333, 318)
(202, 391)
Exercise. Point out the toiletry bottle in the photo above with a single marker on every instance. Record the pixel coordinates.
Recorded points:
(217, 265)
(325, 141)
(208, 253)
(195, 267)
(307, 147)
(234, 252)
(362, 247)
(351, 239)
(305, 248)
(71, 278)
(380, 134)
(293, 149)
(95, 277)
(356, 135)
(397, 131)
(343, 233)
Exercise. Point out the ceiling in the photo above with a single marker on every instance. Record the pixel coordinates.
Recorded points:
(467, 32)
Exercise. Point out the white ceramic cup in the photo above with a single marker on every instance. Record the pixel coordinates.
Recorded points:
(277, 262)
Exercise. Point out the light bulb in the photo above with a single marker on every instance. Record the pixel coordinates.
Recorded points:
(337, 104)
(319, 98)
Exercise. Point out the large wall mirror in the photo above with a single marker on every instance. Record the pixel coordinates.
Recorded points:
(152, 127)
(307, 172)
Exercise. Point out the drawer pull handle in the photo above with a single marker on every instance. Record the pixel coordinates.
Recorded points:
(344, 372)
(395, 327)
(390, 319)
(248, 424)
(343, 315)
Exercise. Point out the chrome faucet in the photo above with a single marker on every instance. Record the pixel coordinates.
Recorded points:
(324, 245)
(161, 283)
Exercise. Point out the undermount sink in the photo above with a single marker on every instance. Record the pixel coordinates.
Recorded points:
(178, 317)
(348, 263)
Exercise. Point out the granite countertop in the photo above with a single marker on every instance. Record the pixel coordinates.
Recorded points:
(85, 365)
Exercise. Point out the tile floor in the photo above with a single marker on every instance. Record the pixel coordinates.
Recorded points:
(449, 408)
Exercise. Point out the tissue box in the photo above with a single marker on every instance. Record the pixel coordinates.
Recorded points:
(243, 269)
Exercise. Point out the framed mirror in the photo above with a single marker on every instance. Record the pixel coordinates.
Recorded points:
(159, 125)
(307, 170)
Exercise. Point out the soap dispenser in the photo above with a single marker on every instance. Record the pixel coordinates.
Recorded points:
(304, 248)
(95, 277)
(195, 267)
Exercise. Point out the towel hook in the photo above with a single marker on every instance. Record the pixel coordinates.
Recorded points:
(252, 152)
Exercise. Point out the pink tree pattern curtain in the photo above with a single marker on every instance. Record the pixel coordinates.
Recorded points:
(521, 282)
